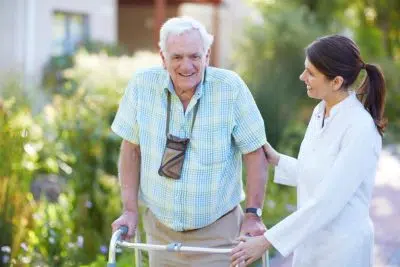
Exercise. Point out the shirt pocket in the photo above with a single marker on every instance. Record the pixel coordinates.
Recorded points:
(213, 144)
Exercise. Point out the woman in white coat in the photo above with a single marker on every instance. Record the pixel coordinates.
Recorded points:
(335, 169)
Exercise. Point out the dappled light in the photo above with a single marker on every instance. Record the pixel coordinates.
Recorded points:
(389, 170)
(59, 186)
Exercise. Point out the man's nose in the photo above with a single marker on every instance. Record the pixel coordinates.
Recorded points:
(186, 63)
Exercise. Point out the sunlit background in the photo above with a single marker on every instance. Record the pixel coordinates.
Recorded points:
(65, 64)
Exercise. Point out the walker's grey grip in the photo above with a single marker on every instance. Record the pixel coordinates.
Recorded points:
(124, 229)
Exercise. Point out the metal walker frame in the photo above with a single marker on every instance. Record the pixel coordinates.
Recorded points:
(117, 242)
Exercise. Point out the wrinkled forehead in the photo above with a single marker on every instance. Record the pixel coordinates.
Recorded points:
(188, 42)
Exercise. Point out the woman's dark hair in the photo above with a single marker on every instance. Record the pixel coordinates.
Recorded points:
(336, 55)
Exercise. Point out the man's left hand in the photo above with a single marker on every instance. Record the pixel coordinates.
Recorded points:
(252, 226)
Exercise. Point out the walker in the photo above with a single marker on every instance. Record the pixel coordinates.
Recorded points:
(116, 241)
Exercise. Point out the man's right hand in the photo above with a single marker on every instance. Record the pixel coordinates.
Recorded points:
(129, 219)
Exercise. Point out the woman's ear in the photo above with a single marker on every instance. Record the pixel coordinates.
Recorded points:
(337, 83)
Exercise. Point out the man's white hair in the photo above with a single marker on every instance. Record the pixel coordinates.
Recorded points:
(179, 25)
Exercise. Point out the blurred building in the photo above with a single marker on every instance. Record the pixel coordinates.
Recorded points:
(35, 30)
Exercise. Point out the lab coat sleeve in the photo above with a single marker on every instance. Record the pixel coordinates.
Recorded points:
(356, 161)
(286, 171)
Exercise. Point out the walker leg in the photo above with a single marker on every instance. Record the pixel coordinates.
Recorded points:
(113, 245)
(138, 253)
(265, 259)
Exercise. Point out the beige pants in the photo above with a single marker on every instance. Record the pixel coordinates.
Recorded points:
(219, 234)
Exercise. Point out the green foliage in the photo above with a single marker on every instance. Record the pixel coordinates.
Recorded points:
(51, 242)
(273, 61)
(99, 47)
(392, 70)
(70, 139)
(16, 166)
(375, 26)
(54, 79)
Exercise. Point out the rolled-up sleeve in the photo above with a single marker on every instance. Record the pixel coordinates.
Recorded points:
(125, 122)
(249, 131)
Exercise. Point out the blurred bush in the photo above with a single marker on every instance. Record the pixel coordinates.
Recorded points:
(273, 61)
(274, 58)
(67, 155)
(391, 71)
(54, 80)
(271, 66)
(17, 163)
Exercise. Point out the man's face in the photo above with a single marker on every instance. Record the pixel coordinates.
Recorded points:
(185, 60)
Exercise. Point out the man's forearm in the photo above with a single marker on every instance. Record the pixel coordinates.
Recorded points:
(257, 171)
(129, 175)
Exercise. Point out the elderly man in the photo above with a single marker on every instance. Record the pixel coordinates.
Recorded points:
(185, 128)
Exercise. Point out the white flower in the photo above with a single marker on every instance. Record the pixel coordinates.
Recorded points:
(24, 246)
(80, 241)
(88, 204)
(26, 260)
(6, 249)
(271, 204)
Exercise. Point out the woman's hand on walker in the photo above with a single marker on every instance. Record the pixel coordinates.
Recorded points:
(271, 154)
(129, 219)
(249, 250)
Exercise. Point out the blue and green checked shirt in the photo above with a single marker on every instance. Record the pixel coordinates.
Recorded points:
(228, 124)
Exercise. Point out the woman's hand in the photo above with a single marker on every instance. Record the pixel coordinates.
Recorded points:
(249, 250)
(271, 154)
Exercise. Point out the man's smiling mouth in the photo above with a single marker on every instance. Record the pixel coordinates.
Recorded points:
(186, 75)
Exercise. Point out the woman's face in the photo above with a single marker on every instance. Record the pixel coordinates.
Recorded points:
(318, 85)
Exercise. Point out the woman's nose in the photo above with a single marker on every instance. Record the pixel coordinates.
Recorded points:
(302, 76)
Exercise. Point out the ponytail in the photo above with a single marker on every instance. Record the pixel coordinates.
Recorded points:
(374, 88)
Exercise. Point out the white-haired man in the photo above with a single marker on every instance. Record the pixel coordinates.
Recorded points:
(185, 128)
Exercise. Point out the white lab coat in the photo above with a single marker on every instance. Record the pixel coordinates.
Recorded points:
(334, 175)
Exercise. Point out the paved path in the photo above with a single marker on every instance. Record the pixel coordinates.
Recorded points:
(385, 212)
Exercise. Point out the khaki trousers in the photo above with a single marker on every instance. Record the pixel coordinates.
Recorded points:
(219, 234)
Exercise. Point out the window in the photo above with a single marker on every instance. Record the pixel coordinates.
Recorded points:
(69, 31)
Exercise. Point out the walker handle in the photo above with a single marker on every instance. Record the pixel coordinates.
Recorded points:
(124, 229)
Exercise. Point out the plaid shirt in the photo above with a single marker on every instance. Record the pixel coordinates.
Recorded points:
(228, 124)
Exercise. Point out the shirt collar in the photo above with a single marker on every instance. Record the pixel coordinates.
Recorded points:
(348, 101)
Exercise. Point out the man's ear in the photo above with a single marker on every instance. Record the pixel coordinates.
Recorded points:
(208, 55)
(337, 83)
(163, 59)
